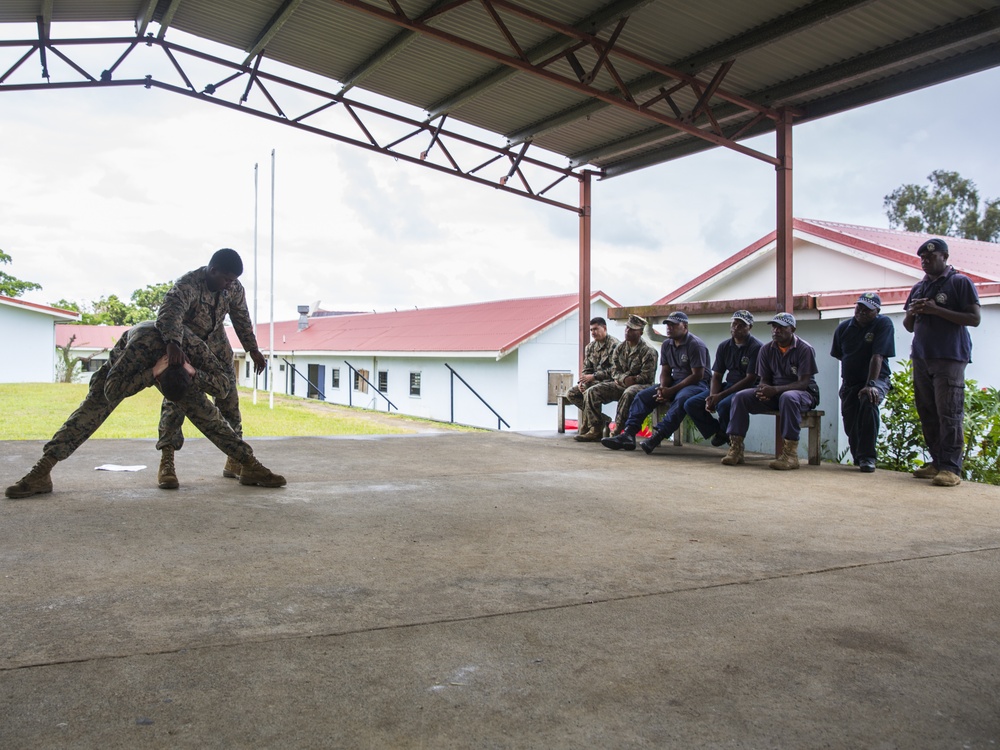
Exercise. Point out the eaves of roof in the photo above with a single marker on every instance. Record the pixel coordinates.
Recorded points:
(55, 312)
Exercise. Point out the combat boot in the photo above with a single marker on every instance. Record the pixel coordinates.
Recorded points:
(735, 455)
(789, 458)
(232, 469)
(651, 443)
(166, 475)
(38, 481)
(254, 472)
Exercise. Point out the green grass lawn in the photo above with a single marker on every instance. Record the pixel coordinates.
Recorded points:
(34, 411)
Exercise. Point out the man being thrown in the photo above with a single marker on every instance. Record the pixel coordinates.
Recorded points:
(939, 311)
(787, 369)
(136, 362)
(684, 362)
(633, 368)
(735, 368)
(596, 369)
(198, 303)
(863, 344)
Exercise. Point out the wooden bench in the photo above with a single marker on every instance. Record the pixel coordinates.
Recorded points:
(811, 421)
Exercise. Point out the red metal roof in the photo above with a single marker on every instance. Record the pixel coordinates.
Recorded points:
(56, 311)
(89, 337)
(494, 327)
(980, 261)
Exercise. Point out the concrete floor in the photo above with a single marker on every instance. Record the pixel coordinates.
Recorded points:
(494, 591)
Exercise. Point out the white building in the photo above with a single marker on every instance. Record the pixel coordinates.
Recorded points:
(28, 329)
(833, 264)
(517, 355)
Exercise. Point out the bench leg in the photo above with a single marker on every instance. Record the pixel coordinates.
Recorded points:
(561, 414)
(814, 442)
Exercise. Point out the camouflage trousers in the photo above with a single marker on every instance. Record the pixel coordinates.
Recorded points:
(591, 400)
(96, 408)
(172, 418)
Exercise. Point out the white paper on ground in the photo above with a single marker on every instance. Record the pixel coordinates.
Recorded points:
(116, 467)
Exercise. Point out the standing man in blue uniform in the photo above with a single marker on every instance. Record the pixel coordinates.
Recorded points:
(735, 368)
(863, 344)
(939, 311)
(684, 362)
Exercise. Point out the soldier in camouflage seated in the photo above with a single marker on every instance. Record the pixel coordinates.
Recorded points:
(596, 369)
(136, 362)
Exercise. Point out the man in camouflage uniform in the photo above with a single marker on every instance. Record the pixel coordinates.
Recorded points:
(136, 362)
(596, 369)
(197, 304)
(633, 366)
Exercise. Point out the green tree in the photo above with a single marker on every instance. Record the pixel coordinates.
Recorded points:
(11, 286)
(951, 207)
(113, 311)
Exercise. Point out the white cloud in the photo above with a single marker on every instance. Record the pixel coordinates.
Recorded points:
(108, 191)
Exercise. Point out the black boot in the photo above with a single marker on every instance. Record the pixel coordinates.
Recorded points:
(620, 442)
(651, 443)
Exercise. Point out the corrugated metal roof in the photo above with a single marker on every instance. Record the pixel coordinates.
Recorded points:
(816, 57)
(979, 260)
(493, 328)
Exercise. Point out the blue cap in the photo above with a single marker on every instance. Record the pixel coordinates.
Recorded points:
(870, 300)
(676, 317)
(933, 246)
(783, 319)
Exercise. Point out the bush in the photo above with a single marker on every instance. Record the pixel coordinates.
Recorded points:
(901, 441)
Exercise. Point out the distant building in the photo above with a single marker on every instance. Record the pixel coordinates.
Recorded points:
(517, 355)
(27, 331)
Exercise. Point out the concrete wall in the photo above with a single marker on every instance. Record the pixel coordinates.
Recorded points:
(29, 339)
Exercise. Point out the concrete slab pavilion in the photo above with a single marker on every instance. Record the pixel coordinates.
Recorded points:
(475, 590)
(557, 92)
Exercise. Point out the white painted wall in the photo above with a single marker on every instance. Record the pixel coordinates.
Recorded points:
(32, 336)
(515, 386)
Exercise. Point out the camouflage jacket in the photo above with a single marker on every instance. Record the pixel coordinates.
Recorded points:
(191, 304)
(639, 361)
(132, 358)
(597, 358)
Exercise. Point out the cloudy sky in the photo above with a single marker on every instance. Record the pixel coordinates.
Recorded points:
(103, 192)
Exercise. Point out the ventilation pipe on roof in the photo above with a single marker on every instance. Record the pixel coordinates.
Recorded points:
(303, 316)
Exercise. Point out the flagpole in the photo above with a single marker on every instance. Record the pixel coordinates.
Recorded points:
(255, 193)
(271, 356)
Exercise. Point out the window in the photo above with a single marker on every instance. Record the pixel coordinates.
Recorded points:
(560, 381)
(361, 381)
(335, 378)
(414, 383)
(383, 381)
(93, 365)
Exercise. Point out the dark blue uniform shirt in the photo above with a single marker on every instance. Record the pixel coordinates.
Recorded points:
(682, 359)
(933, 336)
(854, 347)
(734, 362)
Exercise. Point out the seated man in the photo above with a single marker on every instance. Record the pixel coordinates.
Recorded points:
(596, 369)
(684, 364)
(633, 368)
(735, 368)
(863, 344)
(136, 362)
(787, 369)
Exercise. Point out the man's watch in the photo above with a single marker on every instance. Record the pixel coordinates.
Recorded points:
(871, 383)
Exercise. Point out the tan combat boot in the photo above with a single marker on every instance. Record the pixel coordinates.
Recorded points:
(166, 476)
(735, 455)
(254, 472)
(232, 469)
(36, 482)
(789, 458)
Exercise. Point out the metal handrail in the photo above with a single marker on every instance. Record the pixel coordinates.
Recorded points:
(454, 375)
(295, 370)
(351, 389)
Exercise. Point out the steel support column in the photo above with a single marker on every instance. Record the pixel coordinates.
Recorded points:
(585, 182)
(784, 213)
